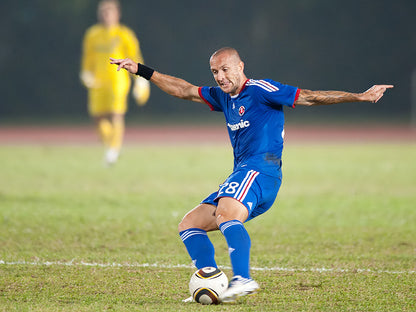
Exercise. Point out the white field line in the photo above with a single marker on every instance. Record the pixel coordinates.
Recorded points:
(174, 266)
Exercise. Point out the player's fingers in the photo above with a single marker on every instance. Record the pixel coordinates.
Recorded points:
(114, 60)
(124, 63)
(377, 87)
(378, 98)
(121, 65)
(380, 94)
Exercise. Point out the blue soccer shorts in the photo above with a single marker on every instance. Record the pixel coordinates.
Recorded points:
(256, 191)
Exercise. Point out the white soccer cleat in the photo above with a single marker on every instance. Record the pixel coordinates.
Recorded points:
(111, 156)
(239, 286)
(190, 299)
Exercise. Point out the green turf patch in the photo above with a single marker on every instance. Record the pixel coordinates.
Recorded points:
(77, 236)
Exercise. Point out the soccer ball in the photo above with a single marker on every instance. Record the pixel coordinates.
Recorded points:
(207, 284)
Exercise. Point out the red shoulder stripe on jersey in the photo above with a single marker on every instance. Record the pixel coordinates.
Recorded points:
(267, 85)
(296, 97)
(202, 97)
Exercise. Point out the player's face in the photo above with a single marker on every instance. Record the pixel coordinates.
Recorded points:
(108, 14)
(228, 71)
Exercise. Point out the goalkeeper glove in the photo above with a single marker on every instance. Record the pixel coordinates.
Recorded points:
(141, 91)
(87, 78)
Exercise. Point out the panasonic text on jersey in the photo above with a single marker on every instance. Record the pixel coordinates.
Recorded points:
(242, 124)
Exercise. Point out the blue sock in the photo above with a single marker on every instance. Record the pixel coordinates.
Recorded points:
(239, 244)
(199, 247)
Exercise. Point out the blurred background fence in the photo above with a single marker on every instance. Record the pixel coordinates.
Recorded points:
(319, 44)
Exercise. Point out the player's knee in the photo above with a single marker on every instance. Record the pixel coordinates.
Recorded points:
(202, 218)
(183, 225)
(230, 209)
(188, 222)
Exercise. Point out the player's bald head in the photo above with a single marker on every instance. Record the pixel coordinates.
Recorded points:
(228, 70)
(226, 51)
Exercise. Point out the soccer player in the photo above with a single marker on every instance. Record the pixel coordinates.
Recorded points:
(253, 112)
(107, 90)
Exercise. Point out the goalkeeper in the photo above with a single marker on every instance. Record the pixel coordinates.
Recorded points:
(108, 90)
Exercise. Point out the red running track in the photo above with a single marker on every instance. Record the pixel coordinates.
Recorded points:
(165, 134)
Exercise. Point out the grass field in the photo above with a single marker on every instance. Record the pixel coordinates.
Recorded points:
(76, 236)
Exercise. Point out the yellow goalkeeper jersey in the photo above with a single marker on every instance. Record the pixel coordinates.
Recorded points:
(101, 43)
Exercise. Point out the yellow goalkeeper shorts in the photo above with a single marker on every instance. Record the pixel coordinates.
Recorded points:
(106, 101)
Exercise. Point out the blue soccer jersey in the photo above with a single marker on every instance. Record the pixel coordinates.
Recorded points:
(255, 121)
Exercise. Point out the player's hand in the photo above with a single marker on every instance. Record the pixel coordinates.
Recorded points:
(141, 91)
(126, 63)
(375, 93)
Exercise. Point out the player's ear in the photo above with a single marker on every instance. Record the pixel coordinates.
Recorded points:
(241, 65)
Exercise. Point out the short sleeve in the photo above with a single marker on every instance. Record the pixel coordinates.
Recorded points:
(212, 96)
(276, 93)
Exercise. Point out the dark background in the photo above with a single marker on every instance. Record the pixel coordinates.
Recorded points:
(318, 45)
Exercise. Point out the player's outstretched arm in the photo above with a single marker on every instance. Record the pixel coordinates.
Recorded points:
(176, 87)
(171, 85)
(309, 98)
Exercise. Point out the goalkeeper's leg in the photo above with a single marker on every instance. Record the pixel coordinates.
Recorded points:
(104, 129)
(116, 139)
(111, 131)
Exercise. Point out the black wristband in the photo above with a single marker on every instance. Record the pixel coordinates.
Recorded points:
(144, 71)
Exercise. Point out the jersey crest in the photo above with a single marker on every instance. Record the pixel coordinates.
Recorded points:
(241, 110)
